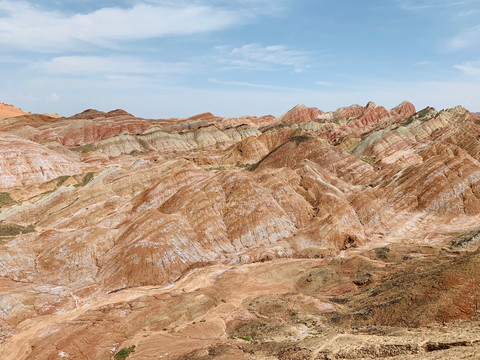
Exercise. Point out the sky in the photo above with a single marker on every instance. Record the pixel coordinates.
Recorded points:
(165, 58)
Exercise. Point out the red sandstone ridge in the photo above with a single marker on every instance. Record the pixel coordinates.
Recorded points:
(7, 110)
(404, 109)
(299, 113)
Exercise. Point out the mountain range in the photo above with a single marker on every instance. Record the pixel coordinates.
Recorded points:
(314, 235)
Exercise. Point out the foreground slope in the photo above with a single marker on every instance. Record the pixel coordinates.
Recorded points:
(141, 232)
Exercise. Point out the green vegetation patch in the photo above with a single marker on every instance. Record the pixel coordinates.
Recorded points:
(10, 230)
(218, 168)
(143, 143)
(61, 179)
(86, 179)
(5, 199)
(299, 139)
(422, 115)
(467, 238)
(369, 160)
(85, 148)
(124, 353)
(382, 252)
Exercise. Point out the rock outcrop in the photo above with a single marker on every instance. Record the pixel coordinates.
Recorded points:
(7, 110)
(24, 162)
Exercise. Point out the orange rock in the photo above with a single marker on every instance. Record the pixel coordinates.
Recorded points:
(7, 110)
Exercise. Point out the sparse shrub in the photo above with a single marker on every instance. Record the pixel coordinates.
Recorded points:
(246, 338)
(124, 353)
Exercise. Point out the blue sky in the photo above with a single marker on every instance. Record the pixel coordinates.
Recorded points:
(164, 58)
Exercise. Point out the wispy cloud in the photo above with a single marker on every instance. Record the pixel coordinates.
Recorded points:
(84, 65)
(465, 39)
(470, 68)
(26, 25)
(258, 57)
(253, 85)
(322, 83)
(413, 5)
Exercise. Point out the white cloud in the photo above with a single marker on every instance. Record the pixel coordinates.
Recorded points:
(469, 68)
(465, 39)
(28, 26)
(84, 65)
(257, 57)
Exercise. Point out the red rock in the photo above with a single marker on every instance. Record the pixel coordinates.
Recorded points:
(299, 113)
(404, 109)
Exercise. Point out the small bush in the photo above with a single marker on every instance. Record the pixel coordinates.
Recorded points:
(124, 353)
(246, 338)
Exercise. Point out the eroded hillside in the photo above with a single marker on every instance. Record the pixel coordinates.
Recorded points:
(340, 235)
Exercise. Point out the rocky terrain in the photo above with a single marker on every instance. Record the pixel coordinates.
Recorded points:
(351, 234)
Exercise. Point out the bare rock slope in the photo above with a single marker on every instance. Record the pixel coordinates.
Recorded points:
(240, 238)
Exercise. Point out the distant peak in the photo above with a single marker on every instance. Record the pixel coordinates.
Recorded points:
(405, 108)
(118, 112)
(88, 114)
(204, 116)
